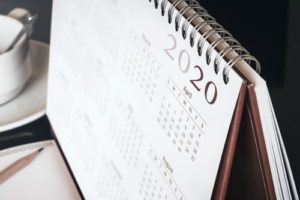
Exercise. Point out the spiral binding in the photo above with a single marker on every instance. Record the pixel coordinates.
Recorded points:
(216, 29)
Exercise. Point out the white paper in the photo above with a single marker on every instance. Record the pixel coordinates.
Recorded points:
(46, 177)
(123, 106)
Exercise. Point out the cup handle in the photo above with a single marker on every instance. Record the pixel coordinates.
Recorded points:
(21, 15)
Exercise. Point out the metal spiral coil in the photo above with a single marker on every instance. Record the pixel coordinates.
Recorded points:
(205, 20)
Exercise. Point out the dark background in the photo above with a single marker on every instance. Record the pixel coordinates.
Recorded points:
(270, 30)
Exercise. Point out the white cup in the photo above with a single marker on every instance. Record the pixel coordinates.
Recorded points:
(15, 65)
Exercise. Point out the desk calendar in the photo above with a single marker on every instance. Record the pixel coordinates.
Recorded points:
(139, 106)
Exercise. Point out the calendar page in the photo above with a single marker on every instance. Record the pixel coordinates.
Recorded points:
(138, 113)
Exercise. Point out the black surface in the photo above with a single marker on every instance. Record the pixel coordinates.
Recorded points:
(261, 27)
(36, 131)
(286, 99)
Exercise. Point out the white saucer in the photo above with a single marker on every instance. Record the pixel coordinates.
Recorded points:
(31, 103)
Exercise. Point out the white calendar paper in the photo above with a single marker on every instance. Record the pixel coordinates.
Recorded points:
(138, 113)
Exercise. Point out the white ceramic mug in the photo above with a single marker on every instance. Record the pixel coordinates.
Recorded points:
(15, 65)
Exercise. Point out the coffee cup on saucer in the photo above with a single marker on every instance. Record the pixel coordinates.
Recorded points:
(15, 64)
